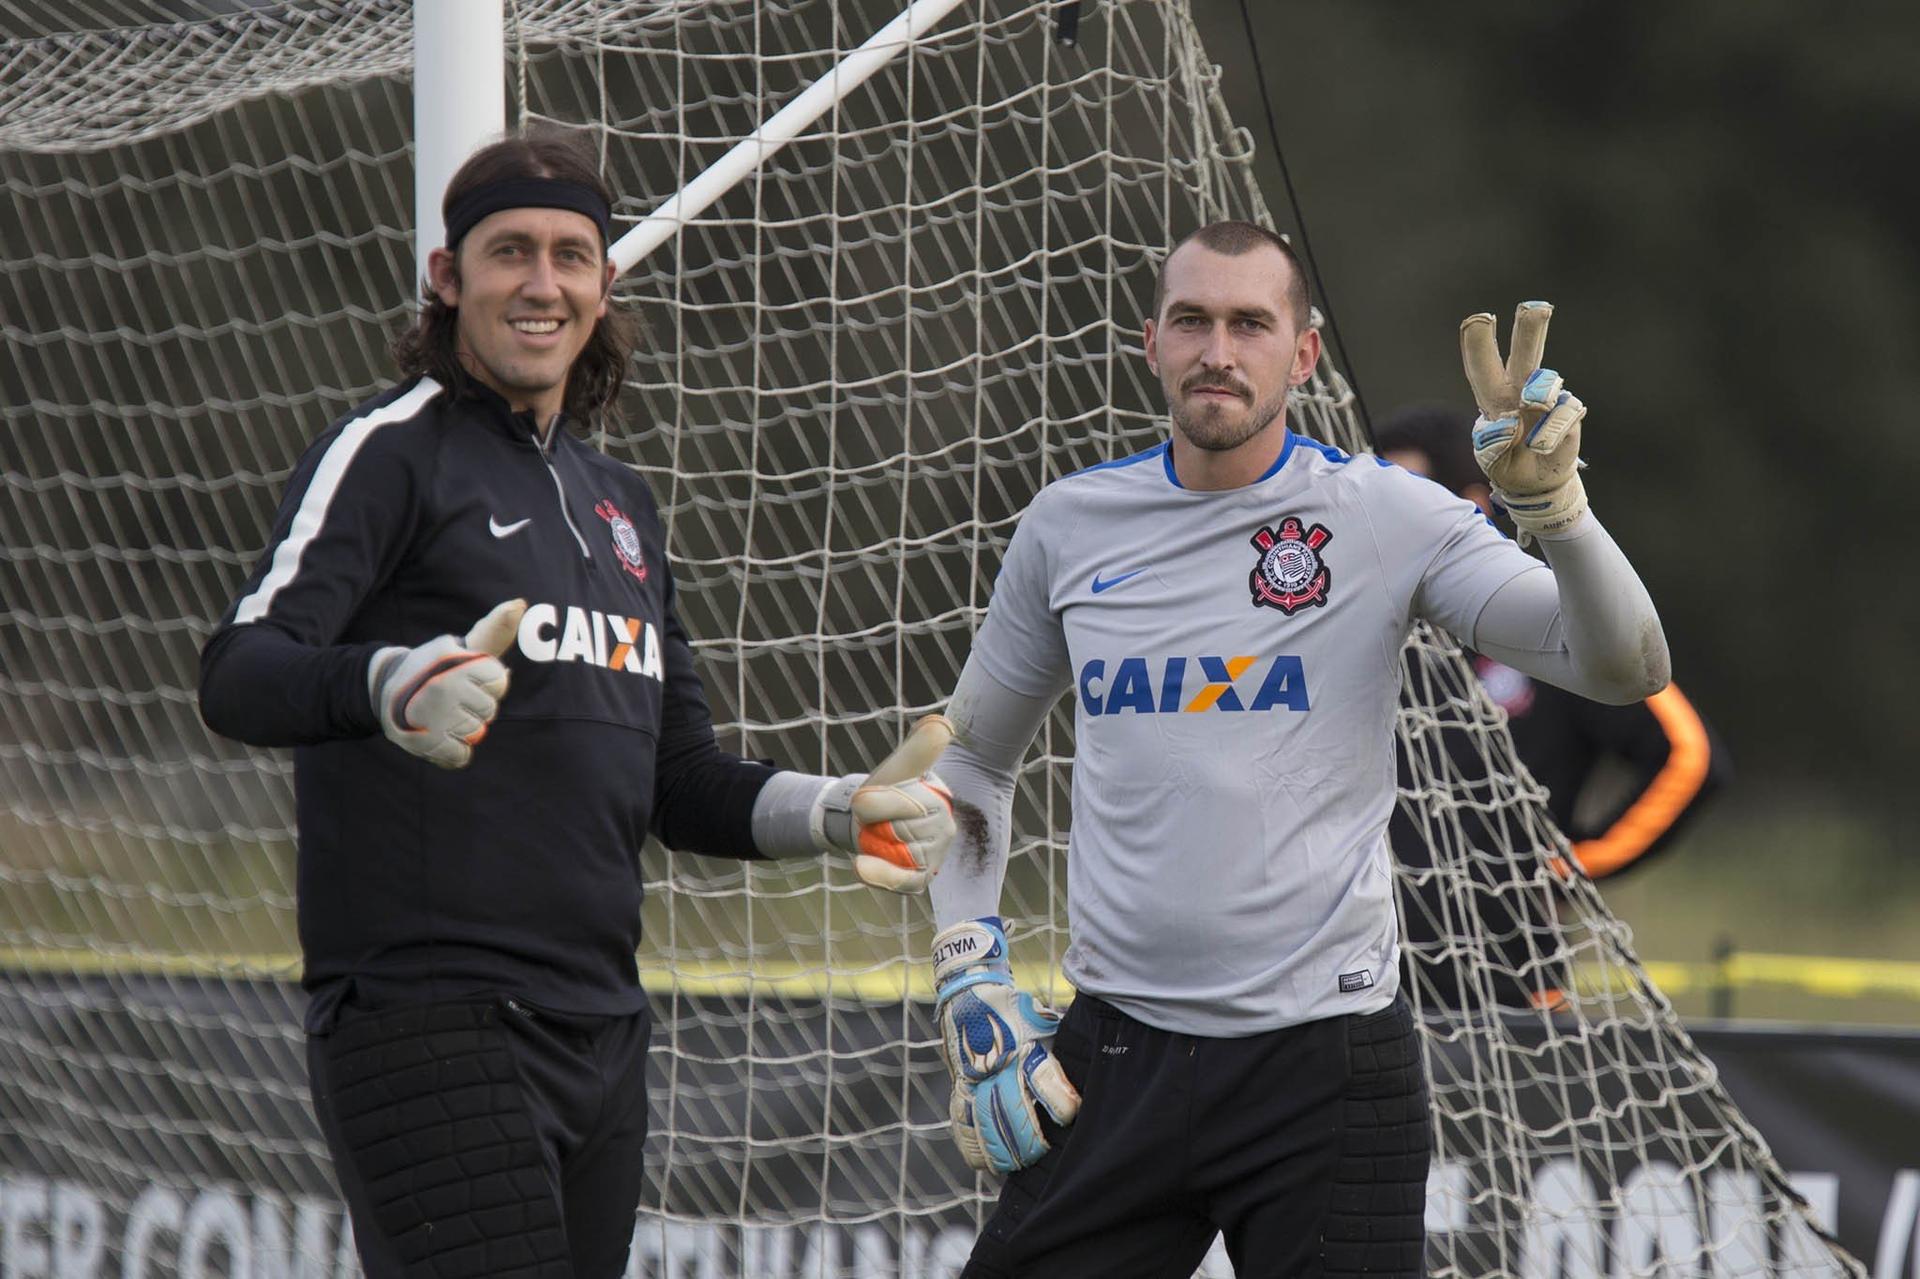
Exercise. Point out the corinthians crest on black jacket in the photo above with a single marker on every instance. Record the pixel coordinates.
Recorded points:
(1290, 574)
(626, 539)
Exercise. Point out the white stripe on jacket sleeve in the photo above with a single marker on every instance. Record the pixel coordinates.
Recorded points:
(312, 515)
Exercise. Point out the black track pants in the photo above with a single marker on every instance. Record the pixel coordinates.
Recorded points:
(485, 1138)
(1307, 1146)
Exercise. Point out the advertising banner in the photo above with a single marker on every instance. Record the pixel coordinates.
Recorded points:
(161, 1131)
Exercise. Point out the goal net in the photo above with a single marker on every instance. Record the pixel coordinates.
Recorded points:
(860, 365)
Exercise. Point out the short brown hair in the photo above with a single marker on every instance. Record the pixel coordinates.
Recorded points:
(1233, 239)
(429, 345)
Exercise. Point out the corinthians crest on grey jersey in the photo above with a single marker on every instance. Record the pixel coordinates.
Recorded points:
(1290, 575)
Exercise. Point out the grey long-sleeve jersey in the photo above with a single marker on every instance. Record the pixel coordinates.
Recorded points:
(1235, 656)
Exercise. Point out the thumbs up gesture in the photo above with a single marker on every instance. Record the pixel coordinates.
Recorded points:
(897, 821)
(436, 700)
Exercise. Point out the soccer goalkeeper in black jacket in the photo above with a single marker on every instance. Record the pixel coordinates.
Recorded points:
(464, 623)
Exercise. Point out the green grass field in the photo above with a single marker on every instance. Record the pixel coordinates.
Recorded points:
(1785, 882)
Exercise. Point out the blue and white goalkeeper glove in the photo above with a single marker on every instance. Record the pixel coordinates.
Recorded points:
(1528, 437)
(996, 1042)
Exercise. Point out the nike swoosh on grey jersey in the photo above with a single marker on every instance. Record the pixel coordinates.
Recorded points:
(1112, 582)
(498, 529)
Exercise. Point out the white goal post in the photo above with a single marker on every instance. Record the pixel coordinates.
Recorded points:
(459, 102)
(883, 329)
(782, 127)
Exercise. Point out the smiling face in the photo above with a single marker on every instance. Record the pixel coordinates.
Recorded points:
(1225, 344)
(529, 285)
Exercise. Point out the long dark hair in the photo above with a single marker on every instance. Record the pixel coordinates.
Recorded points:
(428, 346)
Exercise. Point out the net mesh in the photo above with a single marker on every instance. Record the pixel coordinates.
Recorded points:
(860, 365)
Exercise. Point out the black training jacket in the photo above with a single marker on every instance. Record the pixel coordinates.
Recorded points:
(411, 518)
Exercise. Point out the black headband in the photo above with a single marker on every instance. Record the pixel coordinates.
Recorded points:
(524, 193)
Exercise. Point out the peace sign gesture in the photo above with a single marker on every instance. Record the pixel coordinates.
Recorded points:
(1527, 439)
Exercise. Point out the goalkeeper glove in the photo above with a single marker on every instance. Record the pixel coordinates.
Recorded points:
(995, 1040)
(1528, 437)
(897, 821)
(435, 701)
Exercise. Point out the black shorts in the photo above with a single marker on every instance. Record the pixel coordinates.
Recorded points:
(484, 1138)
(1307, 1146)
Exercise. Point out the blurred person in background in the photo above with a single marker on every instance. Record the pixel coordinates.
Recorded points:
(1621, 781)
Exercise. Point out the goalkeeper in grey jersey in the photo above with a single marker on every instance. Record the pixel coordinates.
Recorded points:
(1228, 609)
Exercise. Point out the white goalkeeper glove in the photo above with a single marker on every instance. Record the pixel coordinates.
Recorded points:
(996, 1042)
(1528, 437)
(435, 701)
(897, 821)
